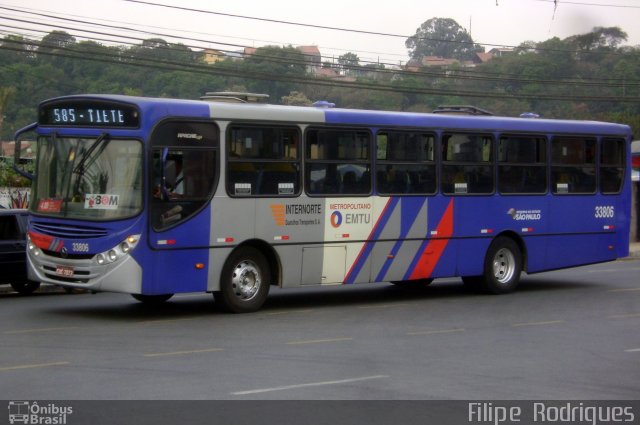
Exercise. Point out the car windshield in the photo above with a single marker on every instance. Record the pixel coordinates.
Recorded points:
(88, 178)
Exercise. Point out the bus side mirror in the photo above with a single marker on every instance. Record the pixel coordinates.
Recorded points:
(21, 135)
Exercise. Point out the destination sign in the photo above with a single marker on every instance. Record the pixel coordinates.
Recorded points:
(89, 115)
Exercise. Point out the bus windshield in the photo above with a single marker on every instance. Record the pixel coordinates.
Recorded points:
(88, 178)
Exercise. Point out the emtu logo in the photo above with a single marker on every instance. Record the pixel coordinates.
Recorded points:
(336, 219)
(279, 214)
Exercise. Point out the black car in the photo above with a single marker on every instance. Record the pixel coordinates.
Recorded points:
(13, 251)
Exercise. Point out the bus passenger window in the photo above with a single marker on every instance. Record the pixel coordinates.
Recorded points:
(337, 162)
(405, 163)
(573, 165)
(522, 164)
(263, 161)
(467, 164)
(612, 165)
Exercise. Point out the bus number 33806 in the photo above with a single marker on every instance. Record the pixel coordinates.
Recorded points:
(605, 211)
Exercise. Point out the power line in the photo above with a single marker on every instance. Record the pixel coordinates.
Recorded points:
(451, 75)
(349, 30)
(120, 23)
(397, 88)
(577, 3)
(393, 72)
(473, 75)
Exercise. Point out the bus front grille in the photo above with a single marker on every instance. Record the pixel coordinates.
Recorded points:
(68, 231)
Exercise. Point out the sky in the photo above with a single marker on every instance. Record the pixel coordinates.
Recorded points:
(493, 23)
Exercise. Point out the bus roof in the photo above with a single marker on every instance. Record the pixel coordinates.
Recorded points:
(466, 122)
(162, 107)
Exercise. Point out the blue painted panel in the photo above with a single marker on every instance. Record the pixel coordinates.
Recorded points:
(174, 255)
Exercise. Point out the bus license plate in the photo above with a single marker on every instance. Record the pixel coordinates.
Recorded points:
(65, 271)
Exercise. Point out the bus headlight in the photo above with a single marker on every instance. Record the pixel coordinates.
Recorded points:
(119, 251)
(32, 247)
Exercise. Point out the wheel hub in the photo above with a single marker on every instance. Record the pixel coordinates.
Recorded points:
(246, 280)
(504, 265)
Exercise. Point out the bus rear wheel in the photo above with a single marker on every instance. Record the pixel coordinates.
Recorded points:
(502, 268)
(245, 281)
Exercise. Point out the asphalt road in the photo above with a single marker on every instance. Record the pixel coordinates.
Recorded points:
(569, 334)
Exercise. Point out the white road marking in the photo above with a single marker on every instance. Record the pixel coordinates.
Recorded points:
(624, 316)
(310, 384)
(318, 341)
(178, 353)
(32, 366)
(442, 331)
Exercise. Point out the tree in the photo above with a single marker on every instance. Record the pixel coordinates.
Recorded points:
(56, 40)
(16, 49)
(285, 63)
(6, 93)
(349, 62)
(598, 39)
(296, 98)
(442, 37)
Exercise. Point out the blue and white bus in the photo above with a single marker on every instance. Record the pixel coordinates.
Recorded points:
(154, 197)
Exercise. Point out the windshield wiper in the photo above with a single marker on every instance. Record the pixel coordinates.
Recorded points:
(80, 168)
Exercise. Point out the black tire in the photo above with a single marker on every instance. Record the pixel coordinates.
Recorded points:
(25, 287)
(502, 267)
(413, 284)
(244, 282)
(152, 299)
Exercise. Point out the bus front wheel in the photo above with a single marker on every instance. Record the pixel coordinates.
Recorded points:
(502, 268)
(244, 284)
(25, 287)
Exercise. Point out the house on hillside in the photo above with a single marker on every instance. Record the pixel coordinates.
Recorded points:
(330, 73)
(211, 56)
(438, 62)
(482, 57)
(430, 62)
(312, 57)
(7, 150)
(499, 52)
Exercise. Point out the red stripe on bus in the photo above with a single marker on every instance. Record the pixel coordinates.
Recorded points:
(434, 249)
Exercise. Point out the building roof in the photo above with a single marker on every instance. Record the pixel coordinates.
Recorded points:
(484, 57)
(438, 61)
(309, 50)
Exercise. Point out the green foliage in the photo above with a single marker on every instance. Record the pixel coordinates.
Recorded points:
(584, 65)
(442, 37)
(349, 61)
(296, 98)
(9, 178)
